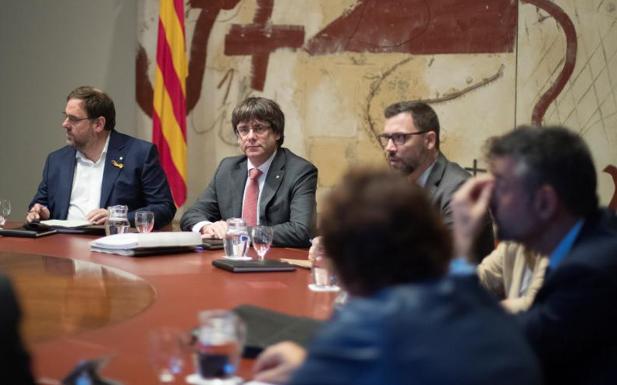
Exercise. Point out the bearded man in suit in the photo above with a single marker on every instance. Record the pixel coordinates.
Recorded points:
(267, 185)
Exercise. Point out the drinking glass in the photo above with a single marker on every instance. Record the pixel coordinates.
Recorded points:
(219, 347)
(167, 351)
(144, 221)
(262, 240)
(118, 221)
(322, 273)
(236, 239)
(5, 210)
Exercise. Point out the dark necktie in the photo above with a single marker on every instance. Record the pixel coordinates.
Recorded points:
(249, 206)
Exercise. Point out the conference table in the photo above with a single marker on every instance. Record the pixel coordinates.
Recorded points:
(80, 304)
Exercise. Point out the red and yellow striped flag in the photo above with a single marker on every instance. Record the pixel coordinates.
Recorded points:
(169, 113)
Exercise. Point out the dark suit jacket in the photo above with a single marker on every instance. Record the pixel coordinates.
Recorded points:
(287, 202)
(14, 361)
(572, 323)
(445, 178)
(139, 184)
(442, 332)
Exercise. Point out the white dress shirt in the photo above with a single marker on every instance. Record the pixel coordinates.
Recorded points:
(87, 184)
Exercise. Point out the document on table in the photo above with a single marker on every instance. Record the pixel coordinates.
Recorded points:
(66, 223)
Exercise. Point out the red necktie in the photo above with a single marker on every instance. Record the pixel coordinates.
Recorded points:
(249, 206)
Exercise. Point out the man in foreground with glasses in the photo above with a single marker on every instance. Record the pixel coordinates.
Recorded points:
(268, 185)
(100, 167)
(406, 322)
(410, 140)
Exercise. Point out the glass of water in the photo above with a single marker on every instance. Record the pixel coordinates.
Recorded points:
(167, 351)
(219, 347)
(5, 210)
(262, 240)
(117, 221)
(144, 221)
(236, 239)
(322, 273)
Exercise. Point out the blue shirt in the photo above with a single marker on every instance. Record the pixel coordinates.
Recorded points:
(564, 247)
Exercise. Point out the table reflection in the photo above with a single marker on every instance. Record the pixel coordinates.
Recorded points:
(61, 296)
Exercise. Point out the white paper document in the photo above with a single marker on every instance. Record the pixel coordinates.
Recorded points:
(69, 224)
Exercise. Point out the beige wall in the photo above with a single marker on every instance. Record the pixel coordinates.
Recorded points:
(329, 99)
(48, 48)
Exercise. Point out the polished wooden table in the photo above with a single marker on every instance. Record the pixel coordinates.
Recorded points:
(79, 304)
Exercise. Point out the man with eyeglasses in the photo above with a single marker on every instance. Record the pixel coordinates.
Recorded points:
(268, 185)
(100, 167)
(410, 140)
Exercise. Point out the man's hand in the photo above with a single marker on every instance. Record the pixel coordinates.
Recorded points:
(38, 212)
(469, 205)
(214, 230)
(98, 216)
(278, 362)
(316, 249)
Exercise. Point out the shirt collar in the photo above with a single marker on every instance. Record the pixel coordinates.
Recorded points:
(265, 166)
(565, 245)
(424, 177)
(81, 157)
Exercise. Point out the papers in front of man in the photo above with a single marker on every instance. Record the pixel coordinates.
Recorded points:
(70, 224)
(137, 244)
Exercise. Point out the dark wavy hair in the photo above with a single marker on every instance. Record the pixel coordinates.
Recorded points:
(379, 230)
(263, 109)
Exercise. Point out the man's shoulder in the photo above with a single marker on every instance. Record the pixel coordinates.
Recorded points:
(124, 139)
(61, 153)
(293, 160)
(455, 171)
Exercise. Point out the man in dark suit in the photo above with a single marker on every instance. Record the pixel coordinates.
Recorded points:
(542, 193)
(406, 322)
(100, 167)
(283, 188)
(411, 141)
(14, 360)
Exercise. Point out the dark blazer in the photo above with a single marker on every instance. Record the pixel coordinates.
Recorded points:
(14, 360)
(287, 202)
(445, 178)
(442, 332)
(572, 324)
(139, 184)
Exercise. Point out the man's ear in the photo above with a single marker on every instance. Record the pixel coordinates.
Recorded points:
(430, 140)
(546, 201)
(99, 124)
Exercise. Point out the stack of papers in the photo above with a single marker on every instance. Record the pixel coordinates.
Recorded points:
(146, 243)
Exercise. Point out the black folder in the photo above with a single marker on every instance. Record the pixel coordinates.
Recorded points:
(267, 265)
(27, 233)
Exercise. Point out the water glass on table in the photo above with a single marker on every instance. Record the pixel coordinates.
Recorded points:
(168, 349)
(237, 239)
(322, 273)
(5, 210)
(144, 221)
(118, 220)
(218, 349)
(261, 236)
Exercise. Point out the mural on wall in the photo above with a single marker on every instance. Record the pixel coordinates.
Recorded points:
(344, 60)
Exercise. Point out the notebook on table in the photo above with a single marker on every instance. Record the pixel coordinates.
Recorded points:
(267, 265)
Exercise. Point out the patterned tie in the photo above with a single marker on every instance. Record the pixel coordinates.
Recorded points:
(249, 206)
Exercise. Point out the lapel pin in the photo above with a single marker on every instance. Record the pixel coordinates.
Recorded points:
(117, 164)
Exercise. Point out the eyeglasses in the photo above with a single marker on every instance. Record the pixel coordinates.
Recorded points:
(398, 138)
(258, 129)
(72, 119)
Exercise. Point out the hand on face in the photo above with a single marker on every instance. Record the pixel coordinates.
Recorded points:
(469, 207)
(277, 363)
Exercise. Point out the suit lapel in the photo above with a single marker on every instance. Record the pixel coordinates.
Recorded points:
(436, 175)
(114, 163)
(273, 181)
(66, 183)
(238, 180)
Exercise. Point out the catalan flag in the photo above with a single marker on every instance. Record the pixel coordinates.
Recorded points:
(169, 113)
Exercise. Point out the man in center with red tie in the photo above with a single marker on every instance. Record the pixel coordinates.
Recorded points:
(268, 185)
